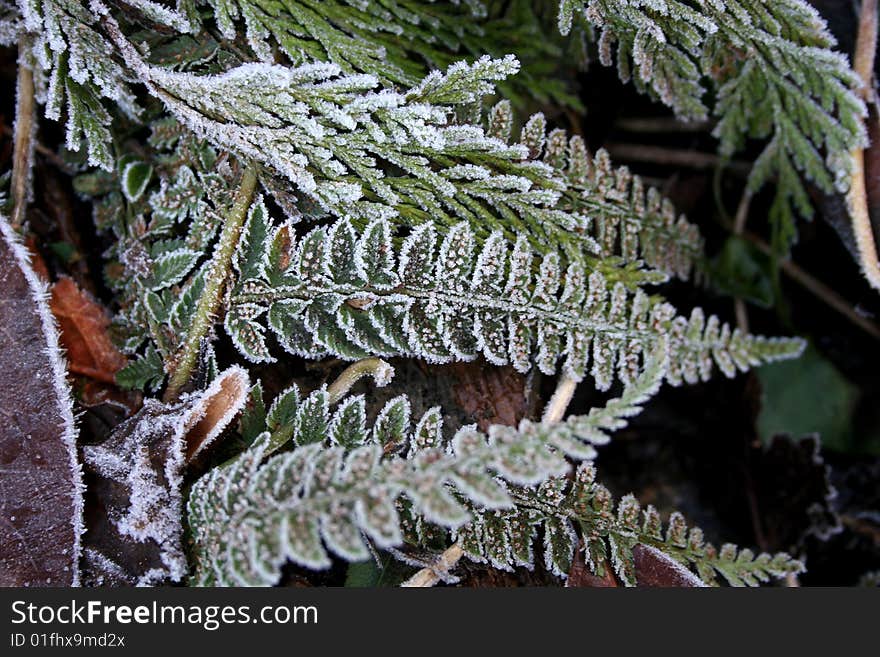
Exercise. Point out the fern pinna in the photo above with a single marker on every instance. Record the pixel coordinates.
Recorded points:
(340, 487)
(352, 296)
(562, 510)
(340, 482)
(774, 74)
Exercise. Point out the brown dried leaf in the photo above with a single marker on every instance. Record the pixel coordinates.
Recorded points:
(655, 569)
(580, 575)
(84, 323)
(135, 525)
(40, 478)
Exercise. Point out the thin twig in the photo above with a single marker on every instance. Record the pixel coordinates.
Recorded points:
(556, 407)
(857, 198)
(23, 139)
(437, 572)
(739, 227)
(818, 288)
(661, 124)
(674, 157)
(215, 281)
(51, 156)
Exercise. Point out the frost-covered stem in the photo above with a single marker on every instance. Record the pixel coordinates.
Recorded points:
(428, 577)
(218, 274)
(739, 227)
(857, 199)
(560, 400)
(861, 219)
(866, 45)
(381, 372)
(25, 127)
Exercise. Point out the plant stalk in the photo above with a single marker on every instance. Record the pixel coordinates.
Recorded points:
(739, 227)
(857, 198)
(428, 577)
(556, 407)
(381, 372)
(218, 275)
(23, 139)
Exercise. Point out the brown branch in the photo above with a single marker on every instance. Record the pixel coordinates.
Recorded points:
(857, 198)
(23, 138)
(661, 124)
(818, 288)
(673, 157)
(433, 575)
(51, 156)
(739, 227)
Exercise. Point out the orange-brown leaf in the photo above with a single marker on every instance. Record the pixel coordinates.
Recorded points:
(84, 323)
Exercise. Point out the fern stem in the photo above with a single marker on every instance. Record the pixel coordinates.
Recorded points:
(739, 227)
(560, 400)
(866, 45)
(381, 372)
(23, 149)
(218, 274)
(857, 199)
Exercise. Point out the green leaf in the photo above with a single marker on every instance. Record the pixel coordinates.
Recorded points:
(807, 395)
(253, 417)
(741, 270)
(363, 574)
(283, 409)
(170, 268)
(145, 372)
(135, 178)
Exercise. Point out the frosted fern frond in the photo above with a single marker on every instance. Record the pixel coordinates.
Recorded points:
(806, 104)
(341, 483)
(773, 72)
(566, 511)
(656, 44)
(343, 480)
(368, 37)
(625, 218)
(354, 294)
